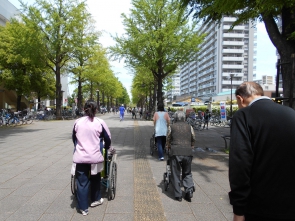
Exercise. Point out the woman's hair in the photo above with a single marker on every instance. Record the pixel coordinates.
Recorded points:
(247, 89)
(160, 107)
(90, 108)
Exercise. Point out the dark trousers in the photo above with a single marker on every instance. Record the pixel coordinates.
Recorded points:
(83, 179)
(161, 143)
(177, 163)
(250, 217)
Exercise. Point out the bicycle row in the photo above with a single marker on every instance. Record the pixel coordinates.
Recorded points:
(10, 118)
(199, 123)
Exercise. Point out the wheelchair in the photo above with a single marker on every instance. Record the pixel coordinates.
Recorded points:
(167, 176)
(153, 145)
(108, 179)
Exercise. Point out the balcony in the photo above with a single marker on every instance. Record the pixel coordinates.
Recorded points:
(233, 35)
(230, 19)
(238, 27)
(233, 58)
(226, 74)
(239, 43)
(235, 82)
(232, 66)
(238, 51)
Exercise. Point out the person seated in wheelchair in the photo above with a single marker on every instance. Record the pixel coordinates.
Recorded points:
(180, 141)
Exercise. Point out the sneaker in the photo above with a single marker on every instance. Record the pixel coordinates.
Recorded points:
(97, 203)
(84, 212)
(161, 159)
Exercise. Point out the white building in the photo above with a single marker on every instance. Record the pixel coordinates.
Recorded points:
(224, 53)
(7, 11)
(175, 91)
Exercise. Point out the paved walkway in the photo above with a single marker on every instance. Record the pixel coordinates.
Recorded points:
(35, 175)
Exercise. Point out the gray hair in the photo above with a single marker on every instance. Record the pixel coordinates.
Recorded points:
(179, 116)
(247, 89)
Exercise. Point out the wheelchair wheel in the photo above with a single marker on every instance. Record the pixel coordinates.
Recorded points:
(166, 181)
(152, 145)
(73, 185)
(112, 180)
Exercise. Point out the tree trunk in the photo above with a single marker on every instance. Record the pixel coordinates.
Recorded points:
(159, 91)
(288, 79)
(58, 93)
(108, 102)
(39, 102)
(155, 97)
(285, 47)
(18, 103)
(80, 107)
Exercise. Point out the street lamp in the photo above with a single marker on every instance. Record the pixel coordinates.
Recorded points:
(98, 106)
(231, 94)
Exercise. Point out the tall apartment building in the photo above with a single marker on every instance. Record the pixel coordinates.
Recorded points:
(7, 11)
(175, 91)
(224, 53)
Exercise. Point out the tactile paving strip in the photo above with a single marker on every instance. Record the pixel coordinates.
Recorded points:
(147, 202)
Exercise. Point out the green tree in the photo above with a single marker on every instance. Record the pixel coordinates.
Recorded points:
(158, 37)
(86, 47)
(143, 84)
(279, 21)
(22, 60)
(57, 21)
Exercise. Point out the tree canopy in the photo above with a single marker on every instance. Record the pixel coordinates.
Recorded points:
(22, 62)
(158, 37)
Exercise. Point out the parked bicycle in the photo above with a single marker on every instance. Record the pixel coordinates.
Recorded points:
(195, 122)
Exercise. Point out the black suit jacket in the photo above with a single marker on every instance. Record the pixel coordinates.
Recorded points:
(262, 160)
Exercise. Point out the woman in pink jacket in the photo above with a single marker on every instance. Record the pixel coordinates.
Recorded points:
(89, 133)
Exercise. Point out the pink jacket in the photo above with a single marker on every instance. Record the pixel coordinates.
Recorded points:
(89, 134)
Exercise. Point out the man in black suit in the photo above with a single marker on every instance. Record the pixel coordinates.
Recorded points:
(262, 157)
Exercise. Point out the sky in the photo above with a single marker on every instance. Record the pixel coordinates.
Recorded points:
(107, 14)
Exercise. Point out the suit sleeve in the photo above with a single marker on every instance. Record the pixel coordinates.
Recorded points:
(240, 163)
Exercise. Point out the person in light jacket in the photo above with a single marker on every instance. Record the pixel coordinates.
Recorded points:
(89, 133)
(161, 122)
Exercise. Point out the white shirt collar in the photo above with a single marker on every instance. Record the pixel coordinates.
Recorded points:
(259, 98)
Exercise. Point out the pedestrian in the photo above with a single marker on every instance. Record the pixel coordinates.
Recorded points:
(122, 110)
(134, 113)
(161, 122)
(140, 113)
(200, 115)
(88, 134)
(207, 116)
(261, 157)
(181, 141)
